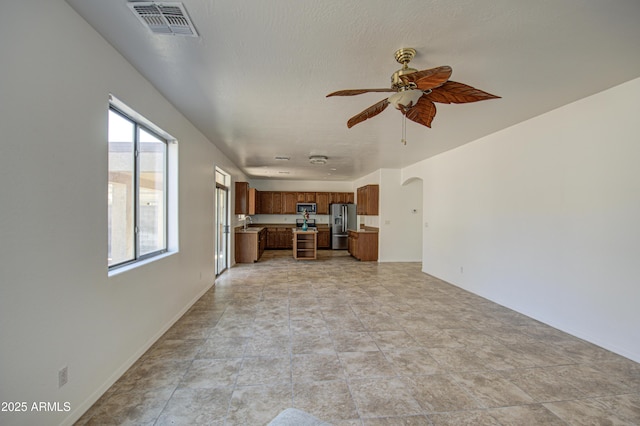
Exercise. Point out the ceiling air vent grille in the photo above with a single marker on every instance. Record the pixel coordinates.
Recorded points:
(164, 18)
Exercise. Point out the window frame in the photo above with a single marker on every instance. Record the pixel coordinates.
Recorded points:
(138, 124)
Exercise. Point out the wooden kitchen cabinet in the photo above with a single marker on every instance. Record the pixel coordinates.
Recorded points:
(304, 245)
(277, 203)
(247, 199)
(266, 202)
(254, 201)
(279, 237)
(290, 199)
(271, 202)
(324, 238)
(306, 197)
(272, 238)
(337, 198)
(362, 200)
(287, 238)
(363, 245)
(349, 198)
(284, 202)
(249, 246)
(322, 202)
(242, 198)
(368, 200)
(340, 197)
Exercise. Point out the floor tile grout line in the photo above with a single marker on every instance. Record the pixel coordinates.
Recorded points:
(235, 382)
(601, 367)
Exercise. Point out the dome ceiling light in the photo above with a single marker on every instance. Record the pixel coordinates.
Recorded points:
(318, 159)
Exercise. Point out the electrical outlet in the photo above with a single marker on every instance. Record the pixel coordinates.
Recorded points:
(63, 376)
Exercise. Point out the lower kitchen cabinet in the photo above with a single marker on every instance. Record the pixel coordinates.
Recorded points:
(279, 237)
(363, 245)
(324, 238)
(249, 246)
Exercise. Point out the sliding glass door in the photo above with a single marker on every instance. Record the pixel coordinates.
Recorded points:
(222, 223)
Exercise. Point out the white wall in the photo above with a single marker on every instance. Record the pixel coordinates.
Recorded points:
(543, 218)
(400, 218)
(399, 237)
(58, 307)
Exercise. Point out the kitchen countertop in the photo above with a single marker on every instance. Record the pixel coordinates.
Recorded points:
(250, 230)
(285, 225)
(308, 231)
(365, 231)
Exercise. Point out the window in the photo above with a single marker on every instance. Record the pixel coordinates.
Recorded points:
(138, 189)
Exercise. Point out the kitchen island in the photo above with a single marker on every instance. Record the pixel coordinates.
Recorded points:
(304, 243)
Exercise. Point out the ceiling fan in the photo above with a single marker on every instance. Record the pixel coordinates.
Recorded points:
(416, 91)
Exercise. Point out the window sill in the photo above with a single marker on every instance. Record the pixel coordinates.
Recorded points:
(134, 265)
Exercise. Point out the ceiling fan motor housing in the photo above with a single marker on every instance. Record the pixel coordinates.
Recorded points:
(403, 56)
(396, 83)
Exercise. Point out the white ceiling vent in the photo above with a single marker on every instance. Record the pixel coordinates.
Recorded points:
(164, 18)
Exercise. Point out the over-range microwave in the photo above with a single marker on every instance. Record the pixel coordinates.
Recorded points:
(309, 207)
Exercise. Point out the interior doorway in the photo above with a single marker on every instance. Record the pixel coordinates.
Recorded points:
(222, 221)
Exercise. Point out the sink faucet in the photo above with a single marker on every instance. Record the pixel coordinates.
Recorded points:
(247, 219)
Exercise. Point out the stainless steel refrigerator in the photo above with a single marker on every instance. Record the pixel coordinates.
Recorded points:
(343, 218)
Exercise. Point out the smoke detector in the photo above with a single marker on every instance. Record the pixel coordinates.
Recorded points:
(318, 159)
(164, 18)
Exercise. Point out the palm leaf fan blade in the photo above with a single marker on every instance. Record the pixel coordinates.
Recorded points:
(428, 79)
(352, 92)
(422, 112)
(372, 111)
(453, 92)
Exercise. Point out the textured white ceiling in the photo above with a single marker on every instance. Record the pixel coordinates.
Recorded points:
(255, 80)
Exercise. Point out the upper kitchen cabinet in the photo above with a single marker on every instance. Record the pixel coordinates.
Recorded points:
(289, 203)
(242, 198)
(247, 199)
(277, 203)
(284, 202)
(337, 198)
(254, 201)
(349, 196)
(322, 202)
(368, 199)
(266, 202)
(307, 197)
(270, 202)
(341, 198)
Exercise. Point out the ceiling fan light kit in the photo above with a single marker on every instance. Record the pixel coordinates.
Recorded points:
(416, 92)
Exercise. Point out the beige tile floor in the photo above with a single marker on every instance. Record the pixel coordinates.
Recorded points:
(362, 343)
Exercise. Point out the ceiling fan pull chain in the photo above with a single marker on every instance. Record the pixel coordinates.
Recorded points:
(404, 130)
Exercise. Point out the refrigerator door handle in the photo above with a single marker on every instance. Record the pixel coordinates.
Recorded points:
(345, 219)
